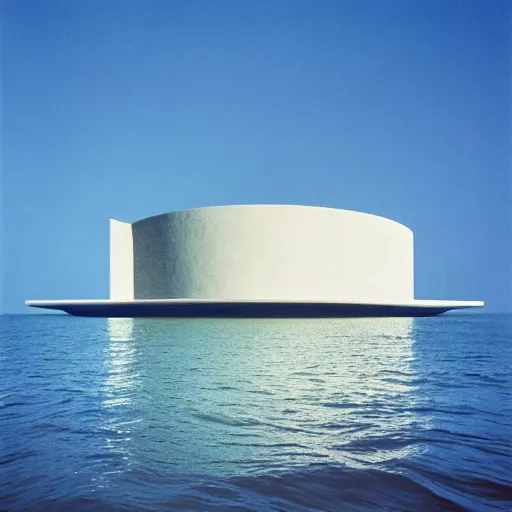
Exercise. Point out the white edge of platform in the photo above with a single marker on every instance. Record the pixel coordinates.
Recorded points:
(417, 303)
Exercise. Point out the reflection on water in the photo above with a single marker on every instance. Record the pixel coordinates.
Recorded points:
(120, 387)
(122, 376)
(221, 396)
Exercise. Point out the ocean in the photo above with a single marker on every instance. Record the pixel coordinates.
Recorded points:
(376, 414)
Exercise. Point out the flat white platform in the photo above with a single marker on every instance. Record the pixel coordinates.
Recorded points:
(250, 308)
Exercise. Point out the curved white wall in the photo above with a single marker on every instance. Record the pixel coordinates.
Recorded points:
(270, 252)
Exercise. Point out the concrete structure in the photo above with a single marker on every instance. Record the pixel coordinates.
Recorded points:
(262, 252)
(260, 260)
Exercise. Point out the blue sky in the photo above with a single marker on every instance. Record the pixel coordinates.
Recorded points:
(127, 109)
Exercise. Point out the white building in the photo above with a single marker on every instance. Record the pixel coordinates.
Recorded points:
(260, 260)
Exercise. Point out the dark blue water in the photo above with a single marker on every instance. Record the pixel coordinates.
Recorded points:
(211, 414)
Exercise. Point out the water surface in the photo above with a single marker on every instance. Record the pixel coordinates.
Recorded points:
(235, 414)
